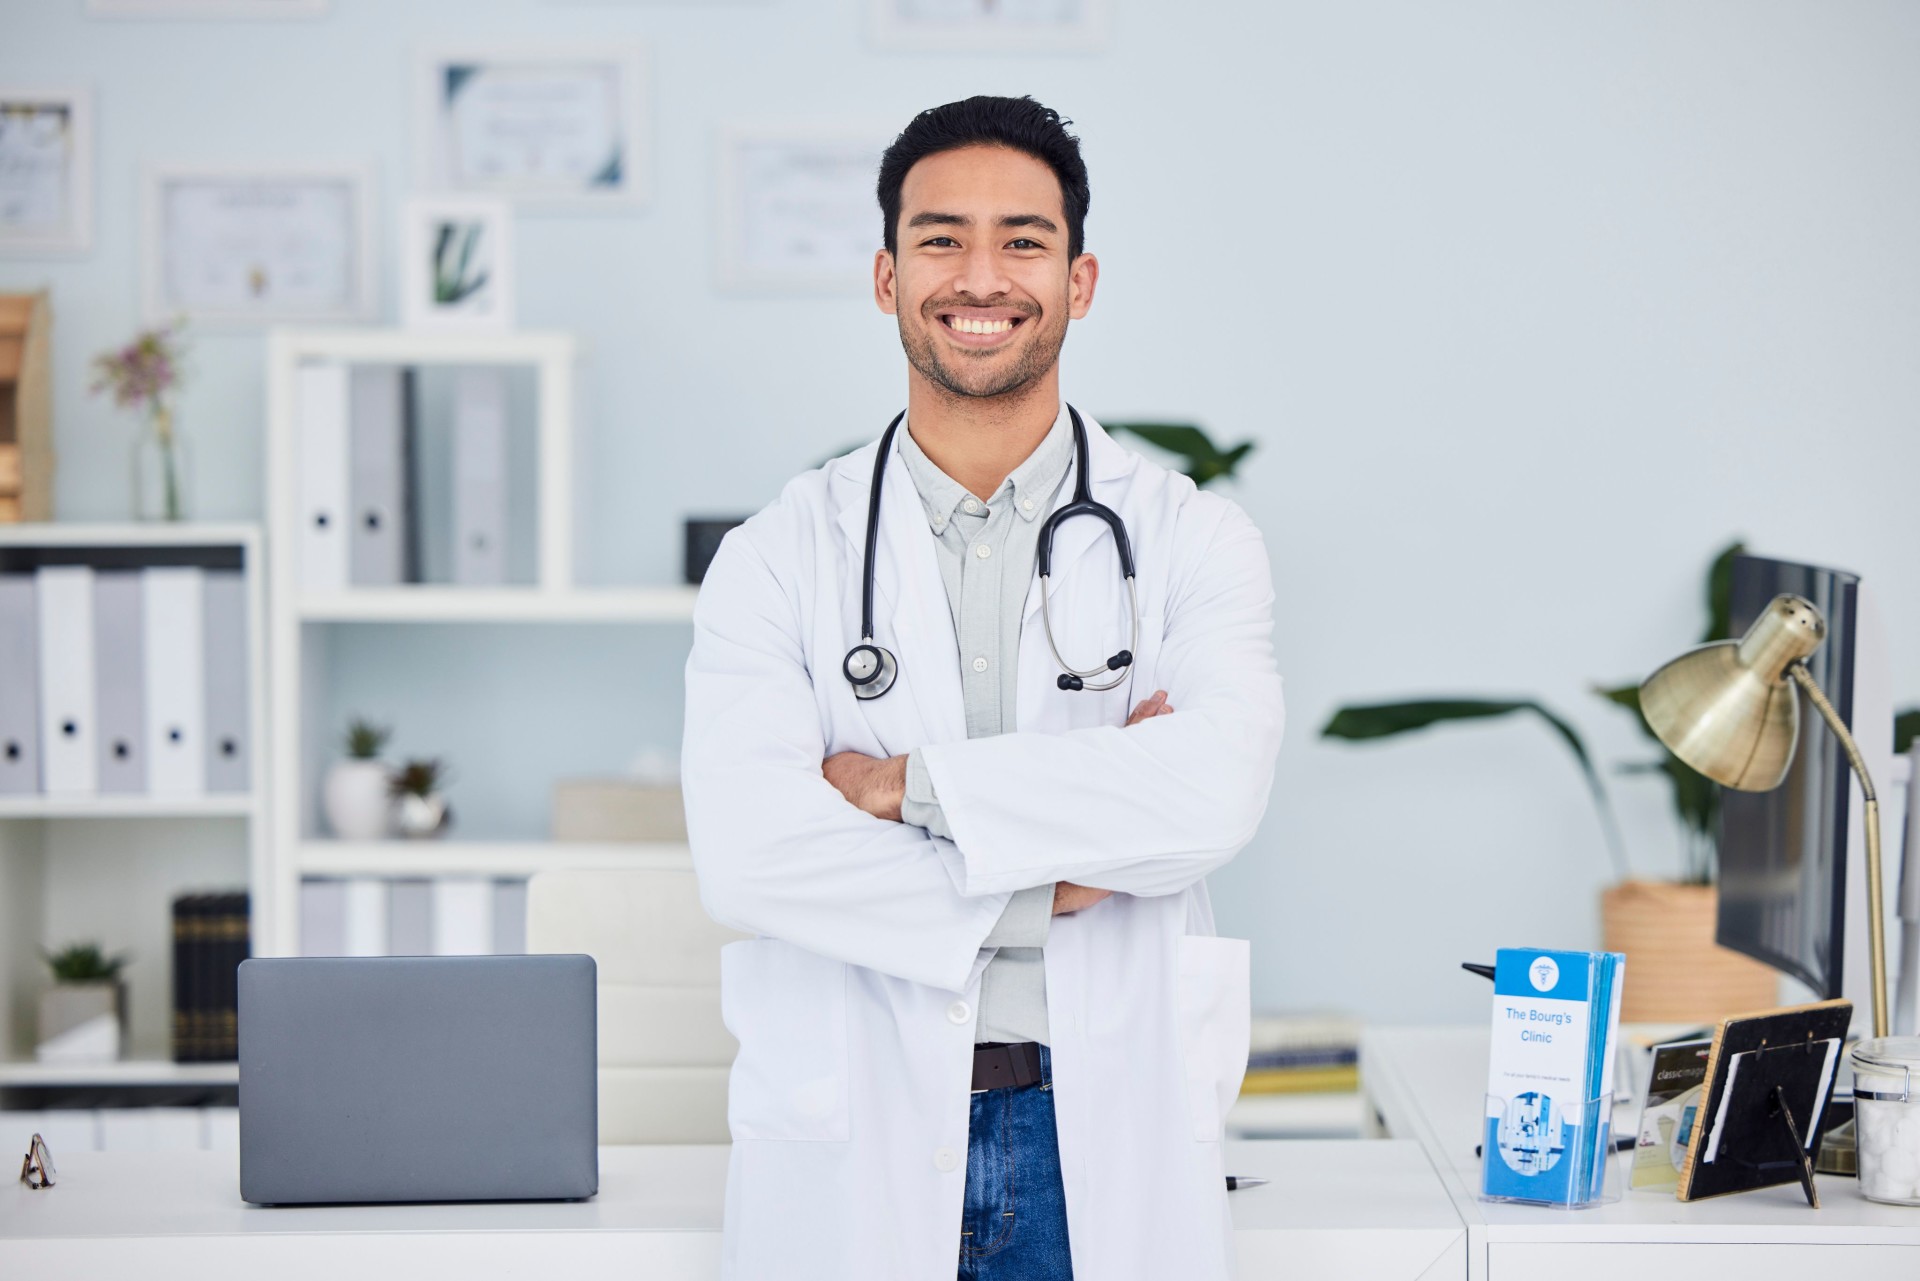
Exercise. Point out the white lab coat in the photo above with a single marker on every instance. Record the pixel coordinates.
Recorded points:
(854, 1008)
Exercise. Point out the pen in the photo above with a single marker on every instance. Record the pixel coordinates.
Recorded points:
(1236, 1182)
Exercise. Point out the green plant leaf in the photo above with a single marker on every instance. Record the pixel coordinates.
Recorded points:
(1205, 461)
(1720, 593)
(1906, 728)
(1384, 720)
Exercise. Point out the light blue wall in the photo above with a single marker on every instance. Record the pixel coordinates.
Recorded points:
(1494, 285)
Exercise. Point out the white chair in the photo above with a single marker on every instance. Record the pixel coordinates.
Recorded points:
(664, 1053)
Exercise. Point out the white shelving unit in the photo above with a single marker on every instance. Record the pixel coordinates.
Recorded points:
(301, 622)
(106, 866)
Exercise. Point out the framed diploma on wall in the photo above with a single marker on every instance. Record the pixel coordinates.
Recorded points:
(798, 209)
(989, 26)
(46, 171)
(257, 246)
(550, 128)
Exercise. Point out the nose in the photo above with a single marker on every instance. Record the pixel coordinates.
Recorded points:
(980, 274)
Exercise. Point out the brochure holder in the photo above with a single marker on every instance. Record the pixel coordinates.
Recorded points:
(1537, 1151)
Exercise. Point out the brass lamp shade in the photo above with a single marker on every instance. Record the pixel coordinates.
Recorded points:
(1729, 709)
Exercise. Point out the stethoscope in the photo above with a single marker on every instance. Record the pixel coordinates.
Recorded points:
(871, 669)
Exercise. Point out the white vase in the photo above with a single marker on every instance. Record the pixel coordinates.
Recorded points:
(422, 816)
(82, 1022)
(356, 801)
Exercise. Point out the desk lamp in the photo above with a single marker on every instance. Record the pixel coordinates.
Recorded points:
(1729, 710)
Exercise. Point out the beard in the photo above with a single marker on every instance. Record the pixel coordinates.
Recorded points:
(982, 377)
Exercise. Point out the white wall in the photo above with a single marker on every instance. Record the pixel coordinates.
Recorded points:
(1495, 285)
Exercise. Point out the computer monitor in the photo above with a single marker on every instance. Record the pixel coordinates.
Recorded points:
(1783, 854)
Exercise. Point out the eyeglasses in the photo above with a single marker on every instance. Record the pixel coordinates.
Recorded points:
(36, 1168)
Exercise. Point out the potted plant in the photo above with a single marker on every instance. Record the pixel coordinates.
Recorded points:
(1675, 971)
(1202, 460)
(355, 794)
(420, 808)
(83, 1016)
(145, 375)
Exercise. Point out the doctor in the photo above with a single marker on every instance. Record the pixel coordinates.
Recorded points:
(986, 1028)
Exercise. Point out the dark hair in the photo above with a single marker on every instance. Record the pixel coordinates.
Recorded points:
(1017, 123)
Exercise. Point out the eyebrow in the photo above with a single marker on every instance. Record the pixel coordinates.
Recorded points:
(1040, 221)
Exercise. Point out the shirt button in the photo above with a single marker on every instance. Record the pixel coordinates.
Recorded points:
(972, 504)
(945, 1159)
(1026, 504)
(983, 551)
(979, 664)
(959, 1012)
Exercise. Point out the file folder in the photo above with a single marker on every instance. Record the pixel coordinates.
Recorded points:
(119, 632)
(228, 743)
(410, 918)
(19, 686)
(176, 680)
(462, 916)
(68, 735)
(509, 917)
(323, 918)
(320, 448)
(480, 477)
(366, 933)
(376, 485)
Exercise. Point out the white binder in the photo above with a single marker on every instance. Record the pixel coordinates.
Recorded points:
(19, 686)
(176, 680)
(320, 445)
(410, 918)
(323, 918)
(509, 916)
(480, 477)
(462, 916)
(120, 696)
(377, 470)
(366, 917)
(68, 734)
(228, 744)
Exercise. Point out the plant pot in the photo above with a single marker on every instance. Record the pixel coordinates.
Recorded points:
(422, 816)
(82, 1022)
(1676, 973)
(356, 802)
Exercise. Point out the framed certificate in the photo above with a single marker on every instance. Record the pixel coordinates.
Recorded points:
(258, 245)
(798, 207)
(549, 128)
(989, 26)
(46, 171)
(457, 263)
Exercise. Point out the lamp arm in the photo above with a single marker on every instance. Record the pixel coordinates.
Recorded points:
(1876, 924)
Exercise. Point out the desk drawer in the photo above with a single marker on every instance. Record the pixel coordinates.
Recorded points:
(1594, 1261)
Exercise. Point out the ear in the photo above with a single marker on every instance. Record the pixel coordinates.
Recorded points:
(885, 295)
(1081, 279)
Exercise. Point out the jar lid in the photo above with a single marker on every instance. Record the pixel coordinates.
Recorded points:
(1895, 1054)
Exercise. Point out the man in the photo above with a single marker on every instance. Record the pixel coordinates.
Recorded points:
(986, 1029)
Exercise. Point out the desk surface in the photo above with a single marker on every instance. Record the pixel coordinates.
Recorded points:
(1346, 1209)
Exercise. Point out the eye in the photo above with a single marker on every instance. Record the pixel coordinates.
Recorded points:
(939, 242)
(1025, 243)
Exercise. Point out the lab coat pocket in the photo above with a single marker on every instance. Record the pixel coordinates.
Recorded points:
(1216, 1026)
(788, 1009)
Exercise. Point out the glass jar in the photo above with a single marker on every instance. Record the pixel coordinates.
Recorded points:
(159, 469)
(1886, 1093)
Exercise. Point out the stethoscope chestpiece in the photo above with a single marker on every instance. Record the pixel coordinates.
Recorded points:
(869, 669)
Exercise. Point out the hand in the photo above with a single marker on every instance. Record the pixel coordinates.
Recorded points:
(874, 784)
(1068, 897)
(1154, 705)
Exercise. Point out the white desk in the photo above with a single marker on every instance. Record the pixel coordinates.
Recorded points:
(1350, 1210)
(1428, 1085)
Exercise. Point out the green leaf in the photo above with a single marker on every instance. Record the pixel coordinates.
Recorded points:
(1906, 728)
(1720, 593)
(1205, 461)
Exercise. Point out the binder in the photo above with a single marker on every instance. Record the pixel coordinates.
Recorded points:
(366, 933)
(224, 642)
(410, 918)
(175, 614)
(480, 477)
(509, 917)
(375, 485)
(320, 448)
(120, 680)
(323, 918)
(19, 685)
(462, 916)
(68, 735)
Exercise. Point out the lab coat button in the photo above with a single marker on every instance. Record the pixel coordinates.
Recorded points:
(959, 1012)
(945, 1159)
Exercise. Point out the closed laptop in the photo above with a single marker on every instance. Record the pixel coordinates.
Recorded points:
(417, 1078)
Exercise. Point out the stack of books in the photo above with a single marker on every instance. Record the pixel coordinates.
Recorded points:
(210, 939)
(1314, 1053)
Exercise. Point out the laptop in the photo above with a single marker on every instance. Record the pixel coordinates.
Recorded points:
(417, 1078)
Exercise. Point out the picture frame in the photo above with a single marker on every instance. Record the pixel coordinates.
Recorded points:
(456, 264)
(797, 207)
(208, 8)
(243, 246)
(46, 171)
(989, 26)
(551, 128)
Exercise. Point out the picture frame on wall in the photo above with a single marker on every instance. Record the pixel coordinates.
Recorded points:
(550, 128)
(46, 171)
(456, 264)
(797, 209)
(989, 26)
(244, 246)
(207, 8)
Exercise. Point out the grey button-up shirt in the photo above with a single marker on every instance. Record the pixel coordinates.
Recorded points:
(987, 552)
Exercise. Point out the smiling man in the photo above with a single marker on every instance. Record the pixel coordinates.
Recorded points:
(968, 863)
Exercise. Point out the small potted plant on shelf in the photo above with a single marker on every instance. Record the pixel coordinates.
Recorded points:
(420, 808)
(83, 1016)
(356, 796)
(145, 376)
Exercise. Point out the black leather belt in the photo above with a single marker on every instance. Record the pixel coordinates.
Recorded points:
(999, 1064)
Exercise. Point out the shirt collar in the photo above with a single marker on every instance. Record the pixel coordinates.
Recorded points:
(1033, 482)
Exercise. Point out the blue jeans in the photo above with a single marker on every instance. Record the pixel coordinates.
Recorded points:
(1014, 1225)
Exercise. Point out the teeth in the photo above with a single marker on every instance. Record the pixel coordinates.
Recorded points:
(967, 325)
